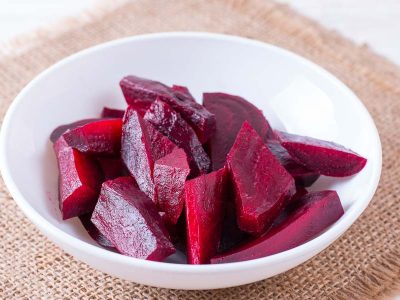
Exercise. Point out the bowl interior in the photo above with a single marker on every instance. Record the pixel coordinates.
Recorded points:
(294, 94)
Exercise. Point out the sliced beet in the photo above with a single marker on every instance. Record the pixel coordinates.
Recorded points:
(183, 92)
(230, 113)
(112, 112)
(302, 175)
(170, 174)
(112, 167)
(262, 186)
(325, 157)
(204, 205)
(315, 212)
(140, 90)
(231, 234)
(79, 180)
(130, 220)
(141, 146)
(94, 233)
(98, 137)
(172, 125)
(59, 131)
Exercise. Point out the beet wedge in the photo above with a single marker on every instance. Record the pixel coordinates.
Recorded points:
(325, 157)
(60, 130)
(99, 137)
(79, 180)
(262, 186)
(302, 175)
(140, 90)
(94, 233)
(182, 92)
(204, 205)
(130, 220)
(230, 113)
(112, 167)
(170, 174)
(171, 124)
(141, 146)
(314, 213)
(112, 113)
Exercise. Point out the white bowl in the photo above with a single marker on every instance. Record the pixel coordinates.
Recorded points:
(294, 94)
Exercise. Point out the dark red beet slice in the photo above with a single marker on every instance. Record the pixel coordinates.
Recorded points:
(315, 212)
(177, 232)
(94, 233)
(302, 175)
(112, 113)
(59, 131)
(140, 90)
(205, 201)
(79, 181)
(231, 234)
(170, 174)
(183, 92)
(230, 113)
(130, 220)
(141, 146)
(172, 125)
(261, 184)
(112, 167)
(327, 158)
(99, 137)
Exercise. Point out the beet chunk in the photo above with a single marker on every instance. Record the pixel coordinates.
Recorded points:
(302, 175)
(205, 199)
(170, 174)
(79, 181)
(314, 213)
(141, 146)
(327, 158)
(99, 137)
(94, 233)
(130, 220)
(183, 93)
(230, 113)
(112, 167)
(59, 131)
(112, 113)
(172, 125)
(140, 90)
(261, 184)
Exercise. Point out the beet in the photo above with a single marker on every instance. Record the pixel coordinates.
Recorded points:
(98, 137)
(230, 113)
(130, 220)
(183, 92)
(315, 212)
(112, 113)
(325, 157)
(112, 167)
(262, 186)
(141, 146)
(140, 90)
(172, 125)
(170, 174)
(204, 200)
(94, 233)
(79, 180)
(302, 175)
(59, 131)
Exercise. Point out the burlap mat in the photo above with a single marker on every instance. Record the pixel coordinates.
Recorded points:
(363, 264)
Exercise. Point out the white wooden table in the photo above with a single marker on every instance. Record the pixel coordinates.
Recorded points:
(376, 23)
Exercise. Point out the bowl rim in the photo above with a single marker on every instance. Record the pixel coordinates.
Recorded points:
(325, 239)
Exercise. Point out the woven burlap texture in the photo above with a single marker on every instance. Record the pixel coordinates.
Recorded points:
(363, 264)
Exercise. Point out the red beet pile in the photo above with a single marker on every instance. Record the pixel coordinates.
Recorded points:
(213, 179)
